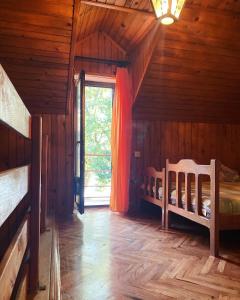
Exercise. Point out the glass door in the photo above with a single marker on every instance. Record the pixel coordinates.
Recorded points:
(98, 120)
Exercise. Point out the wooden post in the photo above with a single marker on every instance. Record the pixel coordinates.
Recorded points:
(35, 203)
(164, 198)
(168, 195)
(44, 179)
(214, 222)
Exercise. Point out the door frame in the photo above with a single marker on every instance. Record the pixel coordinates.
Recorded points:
(80, 84)
(79, 142)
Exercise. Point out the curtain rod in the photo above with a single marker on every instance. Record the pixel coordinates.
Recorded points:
(118, 63)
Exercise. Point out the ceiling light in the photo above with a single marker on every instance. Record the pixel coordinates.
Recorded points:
(167, 11)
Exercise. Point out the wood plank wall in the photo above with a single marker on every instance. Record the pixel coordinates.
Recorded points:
(60, 161)
(159, 140)
(106, 48)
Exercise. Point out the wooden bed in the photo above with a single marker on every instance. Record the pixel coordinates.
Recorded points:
(19, 194)
(191, 183)
(153, 188)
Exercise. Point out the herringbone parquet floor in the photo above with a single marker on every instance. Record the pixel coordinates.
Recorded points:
(109, 256)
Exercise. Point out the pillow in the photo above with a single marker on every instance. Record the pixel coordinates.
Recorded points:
(228, 174)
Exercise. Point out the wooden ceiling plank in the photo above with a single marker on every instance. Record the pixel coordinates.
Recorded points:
(218, 91)
(34, 64)
(33, 59)
(141, 59)
(118, 28)
(19, 73)
(36, 84)
(146, 27)
(34, 35)
(46, 92)
(34, 28)
(43, 8)
(179, 79)
(119, 8)
(44, 70)
(36, 53)
(188, 102)
(193, 71)
(196, 57)
(173, 42)
(132, 32)
(35, 19)
(35, 44)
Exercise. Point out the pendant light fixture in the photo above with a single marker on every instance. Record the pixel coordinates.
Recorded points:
(167, 11)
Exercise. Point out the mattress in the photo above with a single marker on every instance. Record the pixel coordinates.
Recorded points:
(229, 198)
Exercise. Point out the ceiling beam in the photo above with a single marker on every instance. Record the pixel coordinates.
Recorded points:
(119, 8)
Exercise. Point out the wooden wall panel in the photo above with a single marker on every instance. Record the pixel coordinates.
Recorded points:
(60, 168)
(98, 45)
(159, 140)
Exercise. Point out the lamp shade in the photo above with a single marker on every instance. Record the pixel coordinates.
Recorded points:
(167, 11)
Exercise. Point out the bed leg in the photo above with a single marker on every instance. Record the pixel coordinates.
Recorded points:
(167, 219)
(163, 217)
(214, 242)
(214, 222)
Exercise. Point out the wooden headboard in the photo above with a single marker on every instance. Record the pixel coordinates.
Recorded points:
(19, 196)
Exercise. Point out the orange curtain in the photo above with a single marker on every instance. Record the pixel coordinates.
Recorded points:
(121, 142)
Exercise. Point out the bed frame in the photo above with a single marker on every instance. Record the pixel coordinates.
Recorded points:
(217, 221)
(149, 190)
(19, 196)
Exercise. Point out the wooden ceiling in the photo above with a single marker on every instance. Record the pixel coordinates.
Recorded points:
(194, 73)
(126, 28)
(35, 43)
(36, 39)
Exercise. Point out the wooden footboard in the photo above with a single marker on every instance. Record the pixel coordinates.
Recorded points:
(153, 188)
(184, 177)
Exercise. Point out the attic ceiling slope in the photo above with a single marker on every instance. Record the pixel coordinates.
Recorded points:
(194, 72)
(127, 29)
(35, 43)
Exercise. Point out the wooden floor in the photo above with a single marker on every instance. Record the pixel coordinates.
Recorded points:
(109, 256)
